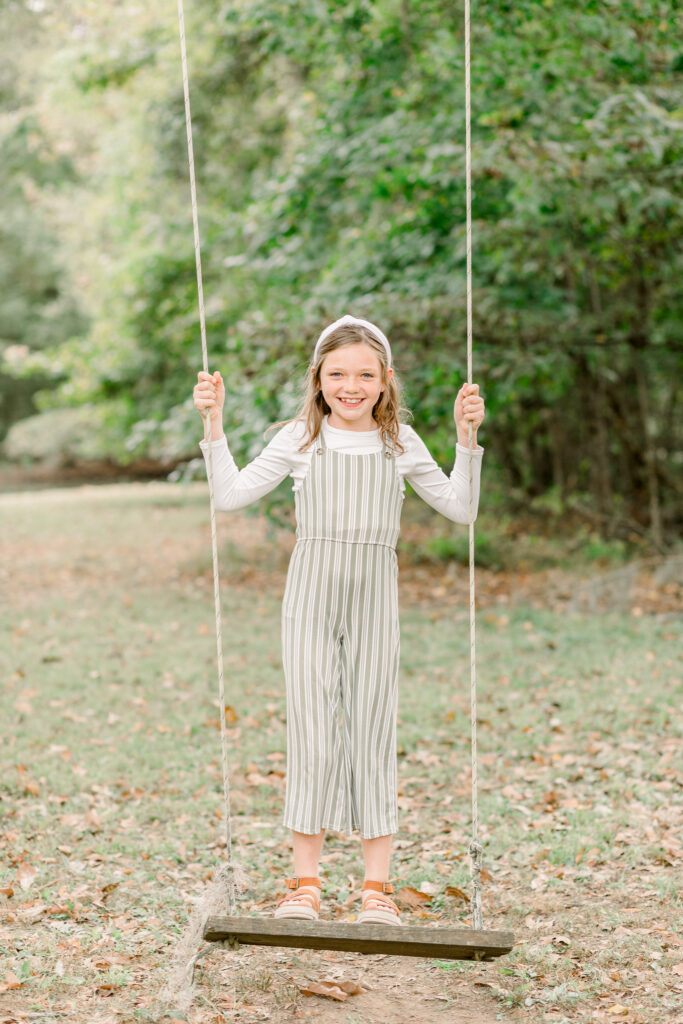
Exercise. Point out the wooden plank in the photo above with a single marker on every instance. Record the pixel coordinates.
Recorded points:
(395, 940)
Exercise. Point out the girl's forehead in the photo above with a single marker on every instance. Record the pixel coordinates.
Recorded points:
(359, 354)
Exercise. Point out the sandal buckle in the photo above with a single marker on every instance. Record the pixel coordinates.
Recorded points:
(299, 880)
(383, 887)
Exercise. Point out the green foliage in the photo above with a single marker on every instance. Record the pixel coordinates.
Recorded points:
(37, 307)
(490, 550)
(329, 140)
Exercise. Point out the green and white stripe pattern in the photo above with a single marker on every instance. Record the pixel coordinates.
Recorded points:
(340, 639)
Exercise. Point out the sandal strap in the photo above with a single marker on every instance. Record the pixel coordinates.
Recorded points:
(296, 883)
(301, 896)
(383, 887)
(386, 904)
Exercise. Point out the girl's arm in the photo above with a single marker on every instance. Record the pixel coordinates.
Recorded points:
(234, 488)
(450, 495)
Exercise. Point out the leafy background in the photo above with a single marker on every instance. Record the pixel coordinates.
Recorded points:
(329, 140)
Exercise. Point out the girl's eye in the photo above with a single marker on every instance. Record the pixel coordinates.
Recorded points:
(338, 373)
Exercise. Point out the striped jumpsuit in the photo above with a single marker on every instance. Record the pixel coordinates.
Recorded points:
(340, 640)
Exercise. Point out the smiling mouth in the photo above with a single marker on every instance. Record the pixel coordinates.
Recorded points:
(351, 401)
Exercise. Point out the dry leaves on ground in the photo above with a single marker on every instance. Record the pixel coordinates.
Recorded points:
(332, 988)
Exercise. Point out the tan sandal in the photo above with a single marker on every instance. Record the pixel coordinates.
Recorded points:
(304, 902)
(384, 910)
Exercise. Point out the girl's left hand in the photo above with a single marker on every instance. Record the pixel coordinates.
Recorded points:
(469, 407)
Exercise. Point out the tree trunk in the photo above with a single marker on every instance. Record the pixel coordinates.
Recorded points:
(650, 449)
(638, 342)
(602, 455)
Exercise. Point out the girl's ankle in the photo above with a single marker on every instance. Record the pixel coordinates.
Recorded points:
(308, 881)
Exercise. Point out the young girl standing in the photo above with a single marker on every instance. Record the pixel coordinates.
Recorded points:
(349, 457)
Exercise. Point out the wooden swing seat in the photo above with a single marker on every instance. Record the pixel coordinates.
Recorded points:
(404, 940)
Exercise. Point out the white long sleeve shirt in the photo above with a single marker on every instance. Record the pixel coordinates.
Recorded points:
(234, 488)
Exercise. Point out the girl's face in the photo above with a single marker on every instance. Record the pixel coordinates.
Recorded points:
(351, 382)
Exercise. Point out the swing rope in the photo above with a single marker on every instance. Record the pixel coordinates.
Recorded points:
(230, 879)
(475, 848)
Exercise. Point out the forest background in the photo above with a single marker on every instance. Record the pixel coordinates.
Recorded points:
(329, 139)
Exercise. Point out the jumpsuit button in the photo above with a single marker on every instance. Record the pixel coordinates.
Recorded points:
(387, 454)
(318, 451)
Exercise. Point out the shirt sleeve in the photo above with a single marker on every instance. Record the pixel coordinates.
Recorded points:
(448, 495)
(235, 488)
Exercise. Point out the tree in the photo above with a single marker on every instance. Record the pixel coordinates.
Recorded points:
(329, 146)
(37, 308)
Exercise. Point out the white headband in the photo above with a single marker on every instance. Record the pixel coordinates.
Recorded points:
(348, 319)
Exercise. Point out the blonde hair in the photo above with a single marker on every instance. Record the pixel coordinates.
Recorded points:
(314, 408)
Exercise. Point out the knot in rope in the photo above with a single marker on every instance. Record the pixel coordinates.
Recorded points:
(476, 851)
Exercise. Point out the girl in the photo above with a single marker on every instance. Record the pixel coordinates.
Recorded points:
(349, 457)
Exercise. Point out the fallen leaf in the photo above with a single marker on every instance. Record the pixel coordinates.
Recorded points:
(618, 1009)
(103, 963)
(7, 891)
(231, 715)
(323, 988)
(105, 990)
(500, 992)
(458, 894)
(352, 988)
(11, 981)
(93, 821)
(413, 897)
(26, 875)
(32, 912)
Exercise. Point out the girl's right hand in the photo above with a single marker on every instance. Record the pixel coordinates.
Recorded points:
(209, 393)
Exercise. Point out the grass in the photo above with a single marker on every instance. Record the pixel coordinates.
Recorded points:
(111, 786)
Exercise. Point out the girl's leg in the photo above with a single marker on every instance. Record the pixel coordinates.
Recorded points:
(307, 853)
(377, 907)
(304, 901)
(377, 854)
(369, 696)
